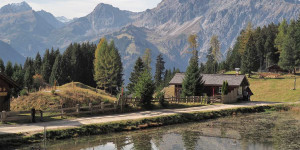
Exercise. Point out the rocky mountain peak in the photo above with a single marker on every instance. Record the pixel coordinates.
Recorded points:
(15, 8)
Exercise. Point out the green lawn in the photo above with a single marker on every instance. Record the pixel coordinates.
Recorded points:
(274, 90)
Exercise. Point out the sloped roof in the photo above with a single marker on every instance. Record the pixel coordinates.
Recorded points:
(212, 79)
(11, 82)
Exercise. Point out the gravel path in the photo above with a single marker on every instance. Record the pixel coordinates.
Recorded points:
(62, 124)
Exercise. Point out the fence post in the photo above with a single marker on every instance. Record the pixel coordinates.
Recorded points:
(41, 113)
(115, 106)
(33, 115)
(77, 108)
(91, 107)
(102, 107)
(3, 116)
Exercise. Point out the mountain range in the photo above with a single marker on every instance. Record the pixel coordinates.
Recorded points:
(164, 29)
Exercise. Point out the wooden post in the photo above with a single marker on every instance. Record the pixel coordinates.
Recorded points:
(102, 107)
(33, 115)
(3, 116)
(91, 107)
(77, 108)
(186, 99)
(115, 106)
(41, 113)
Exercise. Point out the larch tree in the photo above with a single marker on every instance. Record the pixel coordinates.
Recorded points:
(215, 45)
(147, 58)
(139, 67)
(245, 37)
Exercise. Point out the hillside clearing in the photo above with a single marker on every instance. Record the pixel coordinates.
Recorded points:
(68, 95)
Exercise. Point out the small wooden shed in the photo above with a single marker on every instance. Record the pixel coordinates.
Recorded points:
(6, 86)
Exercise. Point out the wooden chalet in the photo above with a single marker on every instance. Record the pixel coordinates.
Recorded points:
(6, 86)
(213, 84)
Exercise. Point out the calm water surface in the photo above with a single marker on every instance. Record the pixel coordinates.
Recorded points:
(261, 131)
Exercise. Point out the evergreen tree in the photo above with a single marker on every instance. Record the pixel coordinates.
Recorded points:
(56, 71)
(288, 54)
(28, 77)
(211, 64)
(38, 64)
(144, 89)
(245, 37)
(46, 67)
(9, 70)
(160, 67)
(117, 75)
(147, 59)
(18, 75)
(282, 32)
(192, 83)
(2, 67)
(250, 60)
(138, 69)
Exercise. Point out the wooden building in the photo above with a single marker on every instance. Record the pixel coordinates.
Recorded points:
(213, 84)
(275, 69)
(6, 86)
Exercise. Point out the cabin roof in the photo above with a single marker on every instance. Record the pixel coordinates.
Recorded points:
(9, 81)
(213, 79)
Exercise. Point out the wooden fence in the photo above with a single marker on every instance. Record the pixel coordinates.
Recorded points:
(78, 110)
(174, 100)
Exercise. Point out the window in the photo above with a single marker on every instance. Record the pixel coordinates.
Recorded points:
(220, 90)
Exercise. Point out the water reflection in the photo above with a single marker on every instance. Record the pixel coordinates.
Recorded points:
(264, 131)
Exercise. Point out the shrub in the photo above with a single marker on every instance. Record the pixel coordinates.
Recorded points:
(106, 101)
(53, 92)
(161, 99)
(24, 92)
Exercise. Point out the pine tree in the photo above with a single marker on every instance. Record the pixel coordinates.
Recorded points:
(9, 70)
(135, 74)
(287, 57)
(245, 37)
(250, 60)
(192, 83)
(2, 67)
(117, 75)
(28, 77)
(18, 75)
(282, 32)
(144, 89)
(46, 67)
(159, 71)
(56, 71)
(38, 64)
(147, 59)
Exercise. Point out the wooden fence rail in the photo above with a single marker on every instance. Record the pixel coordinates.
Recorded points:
(78, 110)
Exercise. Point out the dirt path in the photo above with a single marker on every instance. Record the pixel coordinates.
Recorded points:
(62, 124)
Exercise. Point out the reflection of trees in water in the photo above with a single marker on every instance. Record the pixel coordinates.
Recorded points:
(141, 141)
(120, 142)
(190, 139)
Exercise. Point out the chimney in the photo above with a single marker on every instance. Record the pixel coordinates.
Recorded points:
(237, 71)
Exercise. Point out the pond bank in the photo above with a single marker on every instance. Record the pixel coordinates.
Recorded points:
(128, 125)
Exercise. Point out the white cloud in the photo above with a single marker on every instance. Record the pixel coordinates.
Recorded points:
(79, 8)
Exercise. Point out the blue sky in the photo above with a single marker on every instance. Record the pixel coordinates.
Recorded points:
(79, 8)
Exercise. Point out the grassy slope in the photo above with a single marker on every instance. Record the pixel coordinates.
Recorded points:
(69, 94)
(275, 90)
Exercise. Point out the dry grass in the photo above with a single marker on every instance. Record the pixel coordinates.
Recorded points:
(69, 95)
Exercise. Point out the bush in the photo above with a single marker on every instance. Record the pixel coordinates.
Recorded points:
(161, 99)
(53, 92)
(106, 101)
(24, 92)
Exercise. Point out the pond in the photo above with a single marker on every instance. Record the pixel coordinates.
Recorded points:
(260, 131)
